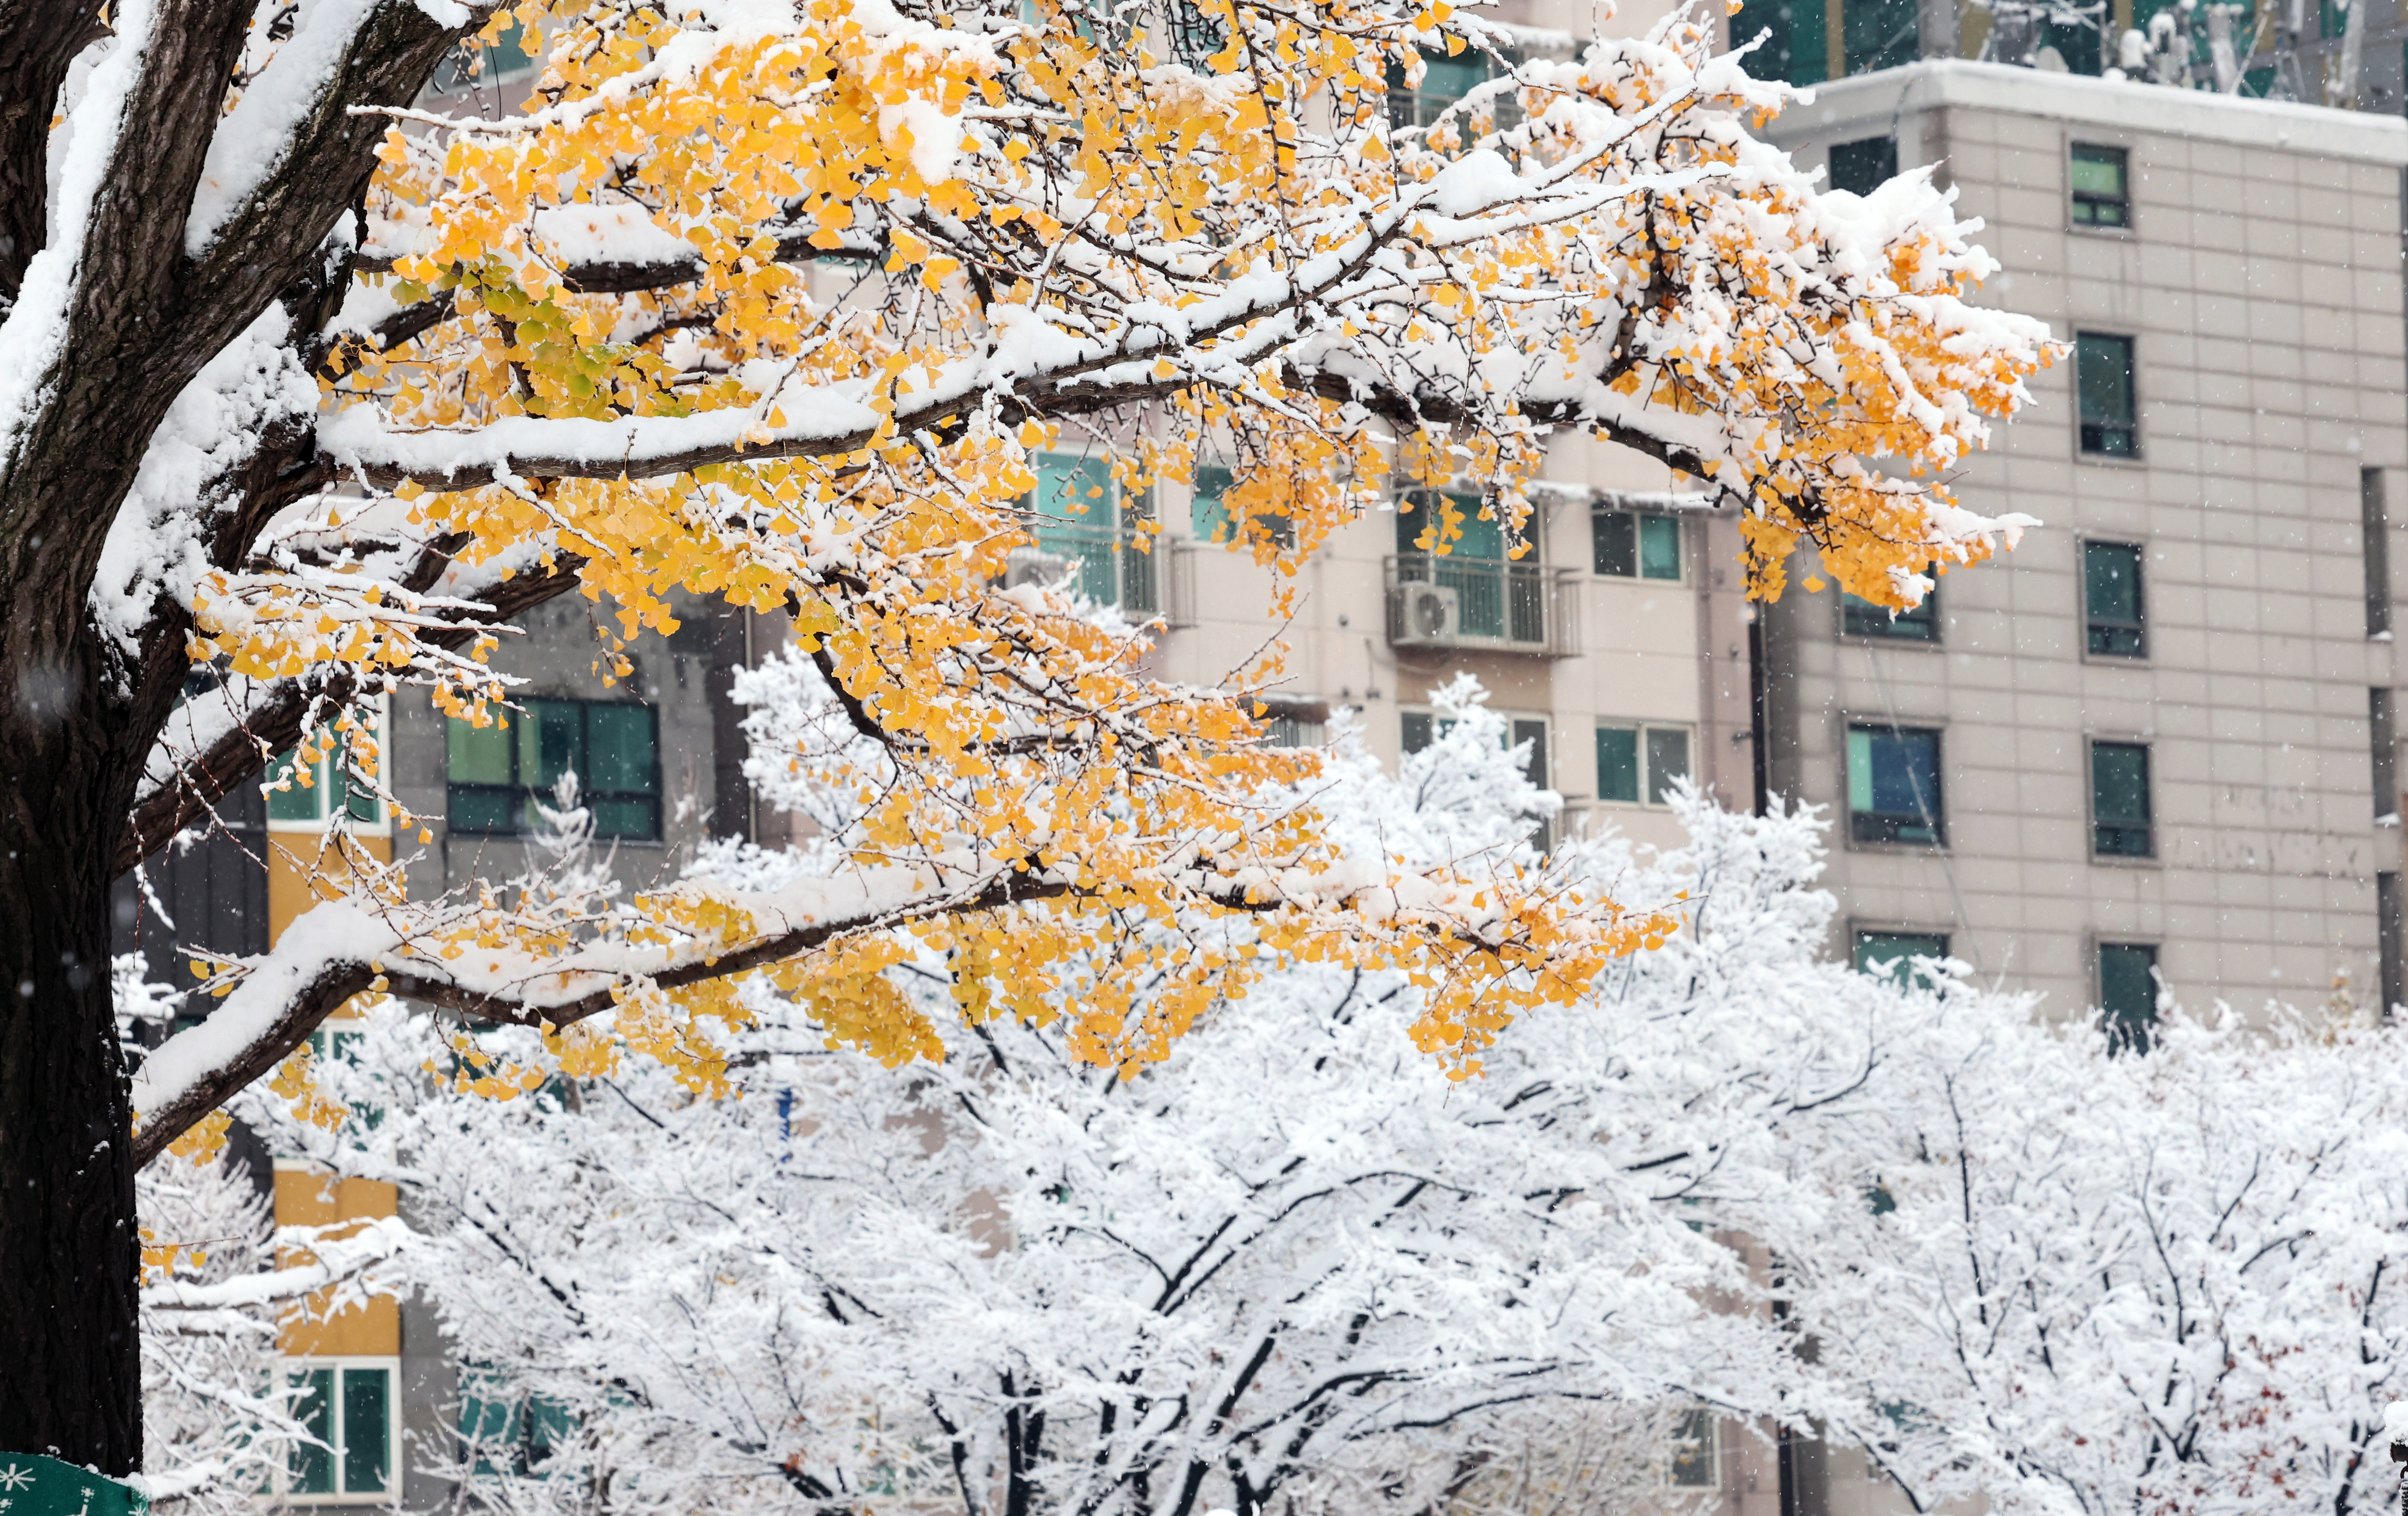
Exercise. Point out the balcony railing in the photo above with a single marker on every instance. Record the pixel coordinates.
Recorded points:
(1444, 601)
(1103, 565)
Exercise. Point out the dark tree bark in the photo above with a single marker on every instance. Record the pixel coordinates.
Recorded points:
(75, 724)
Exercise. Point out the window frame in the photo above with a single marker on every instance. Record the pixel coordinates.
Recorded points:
(1936, 817)
(528, 792)
(338, 1419)
(1831, 160)
(2075, 198)
(1641, 729)
(2140, 626)
(2083, 453)
(2148, 824)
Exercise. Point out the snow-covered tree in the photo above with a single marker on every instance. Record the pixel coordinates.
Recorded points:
(317, 388)
(1292, 1262)
(2160, 1282)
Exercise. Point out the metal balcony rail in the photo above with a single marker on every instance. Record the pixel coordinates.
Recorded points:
(1485, 605)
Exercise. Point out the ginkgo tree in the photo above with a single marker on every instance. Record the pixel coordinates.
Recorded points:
(308, 392)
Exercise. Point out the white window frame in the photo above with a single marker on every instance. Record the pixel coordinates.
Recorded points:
(1645, 778)
(290, 1366)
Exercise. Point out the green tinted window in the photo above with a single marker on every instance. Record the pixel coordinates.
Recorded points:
(1693, 1452)
(1077, 489)
(367, 1430)
(2100, 195)
(1887, 952)
(1659, 548)
(2103, 379)
(1617, 763)
(295, 801)
(312, 1467)
(478, 754)
(1205, 516)
(1484, 539)
(2119, 800)
(1894, 784)
(1881, 34)
(2127, 994)
(2111, 596)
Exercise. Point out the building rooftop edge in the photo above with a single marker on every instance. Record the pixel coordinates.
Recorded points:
(1937, 83)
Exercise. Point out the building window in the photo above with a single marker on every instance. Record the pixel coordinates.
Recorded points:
(2382, 737)
(1631, 544)
(2119, 801)
(2127, 994)
(1693, 1464)
(1207, 517)
(1862, 166)
(1420, 728)
(2102, 372)
(497, 771)
(1638, 764)
(1890, 954)
(350, 1407)
(1860, 617)
(1087, 528)
(1881, 34)
(2103, 194)
(2111, 599)
(507, 1433)
(305, 795)
(1794, 50)
(1444, 82)
(1894, 784)
(1290, 722)
(2390, 968)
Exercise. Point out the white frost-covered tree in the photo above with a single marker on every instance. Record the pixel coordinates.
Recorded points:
(1293, 1263)
(2172, 1282)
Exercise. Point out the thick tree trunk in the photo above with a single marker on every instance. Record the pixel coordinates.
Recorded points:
(70, 1363)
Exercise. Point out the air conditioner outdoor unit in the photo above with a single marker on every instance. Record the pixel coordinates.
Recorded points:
(1432, 613)
(1032, 565)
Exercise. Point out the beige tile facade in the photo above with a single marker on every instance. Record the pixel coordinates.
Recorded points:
(2261, 282)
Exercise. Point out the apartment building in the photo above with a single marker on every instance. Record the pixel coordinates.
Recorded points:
(2156, 739)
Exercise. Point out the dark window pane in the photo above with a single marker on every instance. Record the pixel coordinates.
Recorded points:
(1659, 548)
(1535, 733)
(2102, 195)
(635, 819)
(2127, 994)
(367, 1430)
(313, 1466)
(1617, 763)
(1881, 34)
(552, 742)
(1894, 784)
(1613, 539)
(1887, 952)
(1863, 167)
(2119, 799)
(1668, 759)
(2111, 596)
(1792, 48)
(2104, 379)
(489, 1427)
(619, 749)
(1862, 618)
(1417, 732)
(549, 1426)
(477, 807)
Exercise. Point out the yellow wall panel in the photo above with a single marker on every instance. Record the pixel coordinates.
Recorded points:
(306, 1197)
